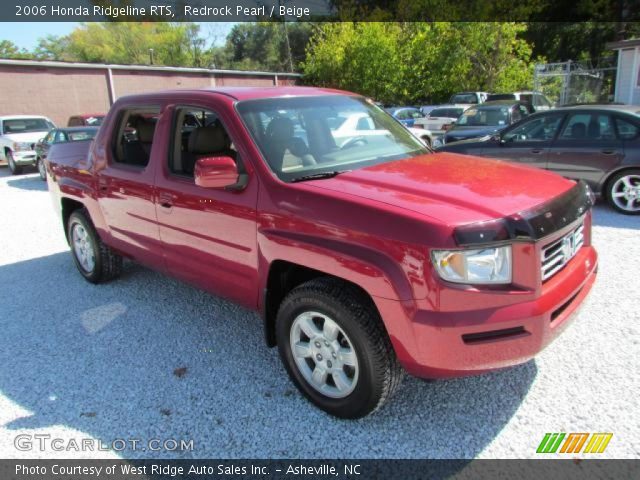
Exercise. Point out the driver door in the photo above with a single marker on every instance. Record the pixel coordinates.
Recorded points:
(529, 142)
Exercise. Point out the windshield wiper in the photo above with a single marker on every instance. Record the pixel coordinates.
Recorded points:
(318, 176)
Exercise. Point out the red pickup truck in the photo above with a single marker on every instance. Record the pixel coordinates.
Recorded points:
(366, 253)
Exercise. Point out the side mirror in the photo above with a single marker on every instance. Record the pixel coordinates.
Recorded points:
(216, 172)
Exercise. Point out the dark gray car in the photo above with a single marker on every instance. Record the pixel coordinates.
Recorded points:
(599, 144)
(486, 119)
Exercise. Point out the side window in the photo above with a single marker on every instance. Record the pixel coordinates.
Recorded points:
(588, 127)
(49, 137)
(576, 127)
(538, 129)
(61, 137)
(199, 133)
(134, 136)
(365, 123)
(403, 115)
(627, 130)
(516, 116)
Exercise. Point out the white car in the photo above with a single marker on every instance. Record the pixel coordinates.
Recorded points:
(362, 125)
(441, 118)
(18, 136)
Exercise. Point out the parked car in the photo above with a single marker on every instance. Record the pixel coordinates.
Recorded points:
(60, 135)
(441, 118)
(485, 119)
(599, 144)
(362, 259)
(86, 120)
(536, 99)
(471, 98)
(405, 115)
(18, 136)
(425, 109)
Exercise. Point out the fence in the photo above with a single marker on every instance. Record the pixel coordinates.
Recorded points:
(576, 82)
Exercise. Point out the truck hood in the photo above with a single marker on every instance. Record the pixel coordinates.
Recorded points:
(452, 188)
(31, 137)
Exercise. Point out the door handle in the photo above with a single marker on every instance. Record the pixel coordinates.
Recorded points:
(537, 150)
(608, 151)
(166, 200)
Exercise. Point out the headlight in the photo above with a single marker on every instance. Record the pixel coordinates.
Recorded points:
(21, 146)
(482, 266)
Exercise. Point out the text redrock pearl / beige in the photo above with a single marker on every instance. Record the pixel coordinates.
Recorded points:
(169, 11)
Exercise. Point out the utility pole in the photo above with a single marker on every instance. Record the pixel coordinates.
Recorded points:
(286, 38)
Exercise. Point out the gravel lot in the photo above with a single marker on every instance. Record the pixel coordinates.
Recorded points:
(84, 361)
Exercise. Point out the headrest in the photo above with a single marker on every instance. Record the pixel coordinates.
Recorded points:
(594, 129)
(578, 130)
(145, 130)
(280, 129)
(211, 139)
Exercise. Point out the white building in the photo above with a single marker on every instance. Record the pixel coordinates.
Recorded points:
(628, 73)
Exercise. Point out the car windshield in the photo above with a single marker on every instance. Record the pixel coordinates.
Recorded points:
(464, 98)
(484, 117)
(80, 135)
(298, 136)
(26, 125)
(446, 112)
(94, 121)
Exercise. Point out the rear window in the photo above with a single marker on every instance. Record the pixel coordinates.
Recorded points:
(80, 135)
(446, 112)
(501, 96)
(464, 98)
(25, 125)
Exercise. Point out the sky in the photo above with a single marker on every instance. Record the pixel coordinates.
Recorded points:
(26, 34)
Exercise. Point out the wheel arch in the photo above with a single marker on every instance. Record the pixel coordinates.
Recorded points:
(68, 206)
(605, 184)
(283, 277)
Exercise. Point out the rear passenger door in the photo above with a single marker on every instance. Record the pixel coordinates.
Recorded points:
(209, 236)
(125, 176)
(586, 147)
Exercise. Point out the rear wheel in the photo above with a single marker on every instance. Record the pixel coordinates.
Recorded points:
(95, 261)
(42, 170)
(623, 192)
(335, 348)
(15, 169)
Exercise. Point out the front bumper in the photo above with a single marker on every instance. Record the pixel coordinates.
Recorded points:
(27, 157)
(440, 344)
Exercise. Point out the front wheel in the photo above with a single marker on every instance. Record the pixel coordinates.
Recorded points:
(95, 261)
(15, 169)
(335, 348)
(42, 169)
(623, 192)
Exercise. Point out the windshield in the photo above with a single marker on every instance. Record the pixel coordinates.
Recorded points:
(464, 98)
(26, 125)
(94, 121)
(484, 117)
(501, 96)
(304, 136)
(446, 112)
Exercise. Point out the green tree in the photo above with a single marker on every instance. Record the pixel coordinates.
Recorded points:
(8, 49)
(417, 61)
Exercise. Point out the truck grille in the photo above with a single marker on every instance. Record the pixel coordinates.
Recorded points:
(558, 253)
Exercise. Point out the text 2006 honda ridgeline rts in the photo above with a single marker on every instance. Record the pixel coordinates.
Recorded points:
(365, 252)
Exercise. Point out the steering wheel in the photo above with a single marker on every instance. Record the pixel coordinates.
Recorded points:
(353, 142)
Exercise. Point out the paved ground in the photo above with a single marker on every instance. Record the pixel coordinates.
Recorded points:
(97, 362)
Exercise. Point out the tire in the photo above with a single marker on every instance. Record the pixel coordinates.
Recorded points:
(95, 261)
(15, 169)
(623, 192)
(42, 169)
(367, 371)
